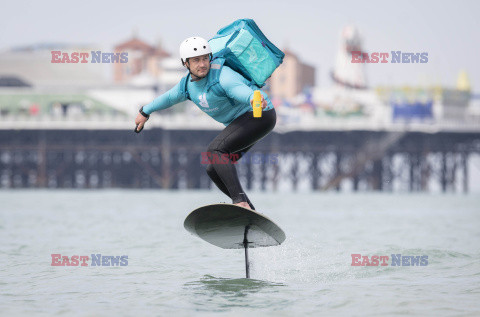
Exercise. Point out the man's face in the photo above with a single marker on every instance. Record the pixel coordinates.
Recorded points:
(199, 65)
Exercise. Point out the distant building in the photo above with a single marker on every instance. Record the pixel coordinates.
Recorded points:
(463, 82)
(31, 66)
(455, 102)
(444, 104)
(291, 78)
(348, 74)
(172, 72)
(142, 59)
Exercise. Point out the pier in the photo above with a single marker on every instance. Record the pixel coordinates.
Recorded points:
(322, 160)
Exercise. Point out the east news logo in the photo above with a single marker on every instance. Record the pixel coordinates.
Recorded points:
(83, 57)
(397, 57)
(397, 260)
(96, 260)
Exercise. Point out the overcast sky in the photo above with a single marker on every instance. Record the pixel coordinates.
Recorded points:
(448, 30)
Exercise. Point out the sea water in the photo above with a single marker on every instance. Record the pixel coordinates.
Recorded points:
(171, 272)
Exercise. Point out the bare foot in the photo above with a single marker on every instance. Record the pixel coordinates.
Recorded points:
(243, 204)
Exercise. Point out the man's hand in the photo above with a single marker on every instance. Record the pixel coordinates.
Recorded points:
(264, 103)
(140, 122)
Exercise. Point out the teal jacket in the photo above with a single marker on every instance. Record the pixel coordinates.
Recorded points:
(223, 94)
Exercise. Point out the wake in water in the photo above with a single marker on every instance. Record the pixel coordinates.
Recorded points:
(223, 294)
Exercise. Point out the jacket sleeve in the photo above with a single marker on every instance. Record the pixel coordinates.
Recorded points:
(235, 86)
(166, 100)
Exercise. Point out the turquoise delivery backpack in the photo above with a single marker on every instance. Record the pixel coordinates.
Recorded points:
(247, 51)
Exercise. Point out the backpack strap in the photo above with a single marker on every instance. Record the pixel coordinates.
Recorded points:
(214, 79)
(183, 86)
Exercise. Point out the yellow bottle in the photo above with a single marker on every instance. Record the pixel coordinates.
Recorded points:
(257, 104)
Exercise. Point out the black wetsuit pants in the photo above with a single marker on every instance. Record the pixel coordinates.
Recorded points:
(230, 145)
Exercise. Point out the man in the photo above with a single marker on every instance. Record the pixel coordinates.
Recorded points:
(232, 107)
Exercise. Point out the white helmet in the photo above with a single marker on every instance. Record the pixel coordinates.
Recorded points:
(194, 46)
